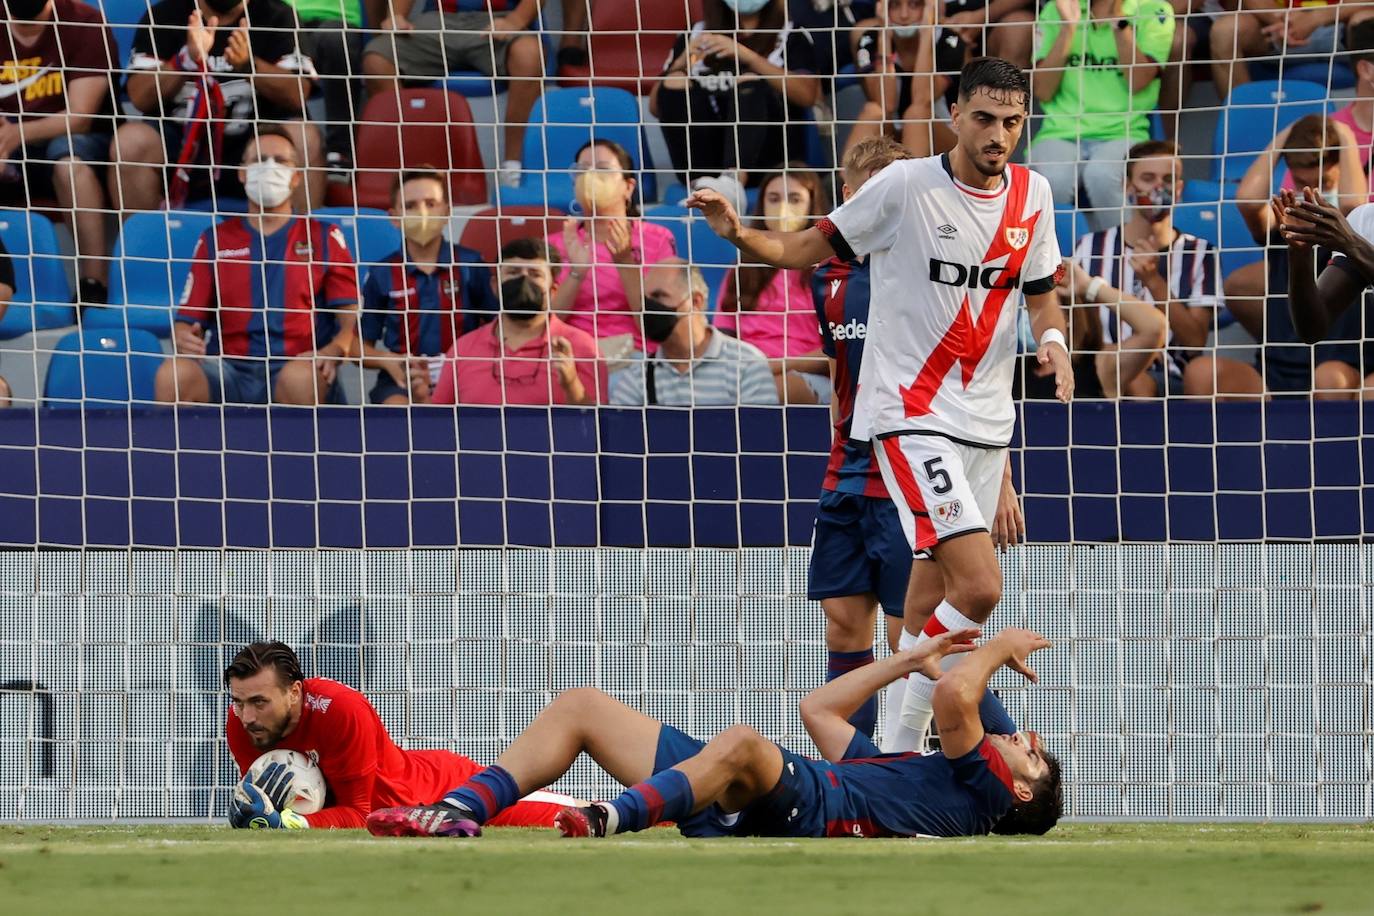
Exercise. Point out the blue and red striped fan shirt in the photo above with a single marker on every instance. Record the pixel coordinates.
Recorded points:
(422, 314)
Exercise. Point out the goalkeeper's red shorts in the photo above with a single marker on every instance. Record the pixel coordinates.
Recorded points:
(534, 810)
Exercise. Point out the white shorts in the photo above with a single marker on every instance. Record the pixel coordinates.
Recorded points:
(941, 488)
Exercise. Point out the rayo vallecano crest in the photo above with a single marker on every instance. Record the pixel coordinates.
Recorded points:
(1017, 237)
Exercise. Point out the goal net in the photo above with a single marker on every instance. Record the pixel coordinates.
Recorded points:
(1201, 567)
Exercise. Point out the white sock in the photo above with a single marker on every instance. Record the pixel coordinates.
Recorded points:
(895, 693)
(916, 705)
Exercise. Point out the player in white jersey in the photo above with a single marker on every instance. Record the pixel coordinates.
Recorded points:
(956, 242)
(1315, 301)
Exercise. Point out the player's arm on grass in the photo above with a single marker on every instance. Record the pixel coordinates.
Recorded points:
(826, 710)
(960, 691)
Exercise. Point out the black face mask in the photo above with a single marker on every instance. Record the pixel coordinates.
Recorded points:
(24, 10)
(659, 320)
(521, 298)
(222, 6)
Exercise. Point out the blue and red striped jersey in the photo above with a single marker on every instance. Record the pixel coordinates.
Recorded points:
(422, 314)
(273, 295)
(840, 292)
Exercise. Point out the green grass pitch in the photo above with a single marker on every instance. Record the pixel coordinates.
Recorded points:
(1097, 868)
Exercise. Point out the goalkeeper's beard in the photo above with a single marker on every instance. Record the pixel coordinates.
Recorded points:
(267, 737)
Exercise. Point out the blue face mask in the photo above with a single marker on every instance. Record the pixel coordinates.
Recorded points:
(905, 31)
(747, 7)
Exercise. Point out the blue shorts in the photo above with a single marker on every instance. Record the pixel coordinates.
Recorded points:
(795, 807)
(249, 381)
(37, 159)
(858, 548)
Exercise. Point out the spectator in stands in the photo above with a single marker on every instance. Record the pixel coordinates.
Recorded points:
(6, 294)
(599, 290)
(437, 42)
(998, 28)
(1097, 68)
(255, 82)
(735, 94)
(1101, 368)
(56, 116)
(1319, 153)
(275, 294)
(331, 36)
(1172, 270)
(422, 298)
(1359, 114)
(911, 67)
(1310, 28)
(526, 356)
(771, 308)
(695, 365)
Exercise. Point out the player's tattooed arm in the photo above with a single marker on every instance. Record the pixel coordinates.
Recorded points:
(795, 250)
(959, 692)
(826, 710)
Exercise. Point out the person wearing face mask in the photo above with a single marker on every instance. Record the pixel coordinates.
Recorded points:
(526, 356)
(273, 295)
(770, 307)
(734, 93)
(1148, 259)
(909, 65)
(602, 252)
(56, 115)
(422, 298)
(253, 82)
(694, 365)
(1321, 154)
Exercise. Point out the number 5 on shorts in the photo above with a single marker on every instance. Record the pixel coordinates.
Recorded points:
(938, 476)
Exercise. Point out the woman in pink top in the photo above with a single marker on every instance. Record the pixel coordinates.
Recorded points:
(771, 308)
(599, 289)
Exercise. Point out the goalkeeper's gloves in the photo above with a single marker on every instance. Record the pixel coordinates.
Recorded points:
(252, 809)
(275, 782)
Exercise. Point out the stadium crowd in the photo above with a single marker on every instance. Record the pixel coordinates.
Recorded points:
(267, 192)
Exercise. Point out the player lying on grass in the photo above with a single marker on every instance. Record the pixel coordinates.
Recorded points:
(272, 705)
(742, 784)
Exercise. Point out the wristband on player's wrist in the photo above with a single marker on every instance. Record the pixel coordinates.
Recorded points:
(1094, 287)
(1053, 335)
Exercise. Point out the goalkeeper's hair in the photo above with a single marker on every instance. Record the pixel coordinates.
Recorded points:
(1042, 812)
(256, 656)
(1002, 80)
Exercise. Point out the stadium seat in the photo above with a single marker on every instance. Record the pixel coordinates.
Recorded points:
(1069, 226)
(369, 233)
(104, 364)
(151, 259)
(697, 243)
(429, 127)
(123, 16)
(43, 293)
(562, 121)
(1251, 117)
(630, 42)
(487, 231)
(1325, 71)
(1208, 210)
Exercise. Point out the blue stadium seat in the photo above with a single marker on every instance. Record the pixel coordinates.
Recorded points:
(43, 293)
(697, 243)
(1069, 226)
(1208, 210)
(1326, 70)
(105, 364)
(369, 233)
(1253, 115)
(152, 257)
(562, 121)
(123, 16)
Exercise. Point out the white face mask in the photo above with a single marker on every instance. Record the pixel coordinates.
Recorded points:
(1332, 197)
(905, 31)
(268, 183)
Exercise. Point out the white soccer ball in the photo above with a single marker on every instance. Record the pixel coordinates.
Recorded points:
(307, 779)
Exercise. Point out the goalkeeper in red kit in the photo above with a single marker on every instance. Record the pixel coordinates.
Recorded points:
(273, 705)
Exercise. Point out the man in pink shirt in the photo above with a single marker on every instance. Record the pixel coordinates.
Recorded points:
(527, 356)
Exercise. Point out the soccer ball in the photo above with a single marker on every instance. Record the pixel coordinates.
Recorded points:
(307, 779)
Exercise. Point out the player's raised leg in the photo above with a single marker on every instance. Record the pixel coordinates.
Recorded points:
(623, 741)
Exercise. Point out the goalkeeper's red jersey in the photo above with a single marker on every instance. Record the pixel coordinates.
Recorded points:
(364, 768)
